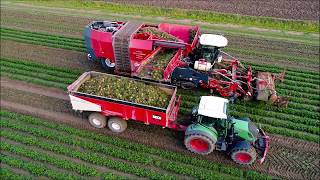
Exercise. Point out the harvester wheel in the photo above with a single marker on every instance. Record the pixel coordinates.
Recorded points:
(117, 124)
(187, 85)
(199, 144)
(244, 156)
(97, 120)
(107, 65)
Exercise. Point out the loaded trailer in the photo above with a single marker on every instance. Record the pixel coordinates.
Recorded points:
(177, 55)
(209, 127)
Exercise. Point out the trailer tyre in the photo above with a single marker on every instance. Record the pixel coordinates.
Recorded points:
(244, 156)
(117, 125)
(199, 143)
(97, 120)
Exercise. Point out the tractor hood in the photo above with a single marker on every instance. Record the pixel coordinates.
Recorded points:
(246, 129)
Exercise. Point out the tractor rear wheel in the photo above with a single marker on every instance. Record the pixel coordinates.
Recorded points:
(199, 143)
(107, 65)
(244, 156)
(117, 124)
(97, 120)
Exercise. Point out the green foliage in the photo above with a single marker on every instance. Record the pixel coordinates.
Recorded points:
(126, 89)
(43, 39)
(137, 151)
(38, 156)
(206, 16)
(34, 168)
(7, 174)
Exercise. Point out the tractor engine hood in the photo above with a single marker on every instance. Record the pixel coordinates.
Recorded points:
(246, 129)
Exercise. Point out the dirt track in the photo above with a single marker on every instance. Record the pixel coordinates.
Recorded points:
(288, 158)
(288, 9)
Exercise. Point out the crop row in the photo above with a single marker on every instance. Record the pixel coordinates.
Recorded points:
(6, 173)
(49, 41)
(78, 42)
(261, 107)
(34, 168)
(88, 157)
(30, 66)
(120, 143)
(99, 149)
(42, 39)
(71, 140)
(46, 158)
(187, 103)
(40, 34)
(274, 56)
(281, 130)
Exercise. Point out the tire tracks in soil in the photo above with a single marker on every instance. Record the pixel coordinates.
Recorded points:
(278, 163)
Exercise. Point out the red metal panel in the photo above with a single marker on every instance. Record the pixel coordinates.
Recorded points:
(174, 63)
(139, 49)
(179, 31)
(102, 44)
(130, 112)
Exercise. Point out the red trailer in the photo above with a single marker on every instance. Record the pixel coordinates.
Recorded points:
(118, 111)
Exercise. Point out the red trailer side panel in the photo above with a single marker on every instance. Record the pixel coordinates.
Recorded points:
(128, 111)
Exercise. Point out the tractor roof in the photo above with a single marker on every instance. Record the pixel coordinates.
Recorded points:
(213, 40)
(212, 106)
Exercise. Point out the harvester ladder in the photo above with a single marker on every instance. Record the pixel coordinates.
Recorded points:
(121, 40)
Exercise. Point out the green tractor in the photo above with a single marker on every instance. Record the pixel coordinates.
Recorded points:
(213, 129)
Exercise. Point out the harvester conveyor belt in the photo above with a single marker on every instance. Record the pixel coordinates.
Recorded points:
(121, 40)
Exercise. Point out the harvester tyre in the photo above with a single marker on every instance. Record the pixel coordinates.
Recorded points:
(97, 120)
(187, 85)
(117, 124)
(107, 65)
(244, 156)
(199, 143)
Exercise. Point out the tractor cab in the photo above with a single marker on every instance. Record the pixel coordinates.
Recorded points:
(208, 51)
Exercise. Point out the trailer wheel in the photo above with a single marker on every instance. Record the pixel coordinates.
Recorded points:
(117, 125)
(107, 65)
(244, 156)
(97, 120)
(187, 85)
(199, 144)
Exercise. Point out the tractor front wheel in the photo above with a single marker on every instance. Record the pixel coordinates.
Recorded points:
(244, 156)
(199, 144)
(117, 124)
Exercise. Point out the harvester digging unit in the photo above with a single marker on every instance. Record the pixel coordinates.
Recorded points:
(179, 55)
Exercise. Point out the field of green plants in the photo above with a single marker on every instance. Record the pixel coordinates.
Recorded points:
(299, 120)
(36, 148)
(48, 140)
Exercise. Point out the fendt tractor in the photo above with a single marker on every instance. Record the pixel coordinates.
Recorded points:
(178, 55)
(209, 128)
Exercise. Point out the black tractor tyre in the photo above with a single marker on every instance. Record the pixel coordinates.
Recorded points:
(107, 66)
(117, 124)
(187, 85)
(199, 143)
(244, 156)
(97, 120)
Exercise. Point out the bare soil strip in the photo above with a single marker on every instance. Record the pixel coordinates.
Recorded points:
(288, 9)
(285, 158)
